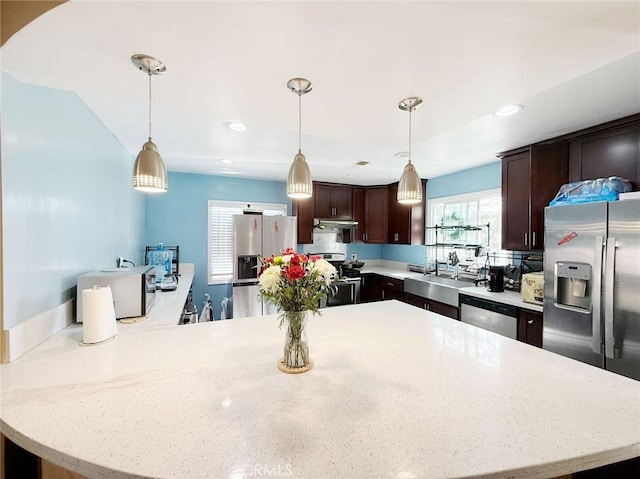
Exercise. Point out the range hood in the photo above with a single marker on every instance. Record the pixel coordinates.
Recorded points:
(322, 223)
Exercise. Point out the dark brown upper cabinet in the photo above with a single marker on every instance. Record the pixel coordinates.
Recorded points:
(612, 149)
(356, 235)
(333, 201)
(531, 178)
(375, 212)
(303, 209)
(406, 222)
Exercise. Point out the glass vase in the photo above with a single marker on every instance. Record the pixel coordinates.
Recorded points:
(296, 350)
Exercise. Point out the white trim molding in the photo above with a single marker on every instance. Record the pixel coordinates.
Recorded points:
(27, 335)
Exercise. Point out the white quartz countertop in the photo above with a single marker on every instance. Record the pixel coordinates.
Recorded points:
(165, 310)
(390, 272)
(396, 392)
(481, 291)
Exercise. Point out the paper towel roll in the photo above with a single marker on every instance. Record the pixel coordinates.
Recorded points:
(99, 316)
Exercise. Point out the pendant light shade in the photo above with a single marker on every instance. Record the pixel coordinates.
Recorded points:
(299, 183)
(149, 172)
(410, 184)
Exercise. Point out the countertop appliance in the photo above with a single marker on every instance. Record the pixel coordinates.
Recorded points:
(591, 284)
(256, 235)
(497, 317)
(348, 283)
(133, 289)
(496, 279)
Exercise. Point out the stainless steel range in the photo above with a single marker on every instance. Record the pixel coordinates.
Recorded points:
(348, 282)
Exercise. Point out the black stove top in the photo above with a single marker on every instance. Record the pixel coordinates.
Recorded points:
(350, 272)
(338, 260)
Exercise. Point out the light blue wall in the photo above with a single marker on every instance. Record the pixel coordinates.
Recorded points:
(364, 251)
(179, 217)
(480, 178)
(68, 206)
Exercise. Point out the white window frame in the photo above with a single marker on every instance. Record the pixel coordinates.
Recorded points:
(221, 235)
(495, 230)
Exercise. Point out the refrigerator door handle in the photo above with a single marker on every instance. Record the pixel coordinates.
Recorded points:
(596, 293)
(581, 311)
(609, 336)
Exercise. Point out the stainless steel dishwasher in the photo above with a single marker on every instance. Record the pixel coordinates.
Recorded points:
(497, 317)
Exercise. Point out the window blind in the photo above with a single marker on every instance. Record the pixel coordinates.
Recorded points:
(220, 235)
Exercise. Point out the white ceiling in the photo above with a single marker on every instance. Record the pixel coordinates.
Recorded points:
(571, 64)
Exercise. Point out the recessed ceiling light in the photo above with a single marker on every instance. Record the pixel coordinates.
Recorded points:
(402, 154)
(236, 126)
(226, 161)
(508, 110)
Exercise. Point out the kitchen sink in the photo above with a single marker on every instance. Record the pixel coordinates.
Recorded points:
(436, 288)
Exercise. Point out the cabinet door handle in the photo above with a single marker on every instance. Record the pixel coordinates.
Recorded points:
(364, 236)
(526, 239)
(390, 284)
(395, 237)
(533, 238)
(427, 307)
(530, 321)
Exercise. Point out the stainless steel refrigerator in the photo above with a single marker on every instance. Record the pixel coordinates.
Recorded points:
(592, 284)
(255, 235)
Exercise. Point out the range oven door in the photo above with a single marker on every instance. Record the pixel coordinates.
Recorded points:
(348, 292)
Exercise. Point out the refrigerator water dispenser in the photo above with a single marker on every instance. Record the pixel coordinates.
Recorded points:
(573, 285)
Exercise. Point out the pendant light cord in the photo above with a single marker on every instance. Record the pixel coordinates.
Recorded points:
(299, 122)
(410, 110)
(149, 105)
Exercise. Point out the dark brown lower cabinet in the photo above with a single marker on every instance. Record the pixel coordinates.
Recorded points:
(376, 287)
(371, 288)
(431, 305)
(392, 288)
(530, 327)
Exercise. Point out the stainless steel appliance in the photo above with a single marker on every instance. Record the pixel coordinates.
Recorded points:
(497, 317)
(591, 284)
(133, 289)
(348, 283)
(256, 235)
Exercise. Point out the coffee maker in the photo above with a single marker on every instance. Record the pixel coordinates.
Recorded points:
(496, 279)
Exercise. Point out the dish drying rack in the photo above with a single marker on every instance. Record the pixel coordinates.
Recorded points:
(471, 242)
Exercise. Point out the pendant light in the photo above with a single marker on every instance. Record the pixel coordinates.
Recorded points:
(410, 185)
(149, 173)
(299, 184)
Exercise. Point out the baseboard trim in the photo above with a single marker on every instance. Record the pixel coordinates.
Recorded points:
(27, 335)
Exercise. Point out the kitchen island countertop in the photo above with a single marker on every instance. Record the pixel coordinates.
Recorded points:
(396, 391)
